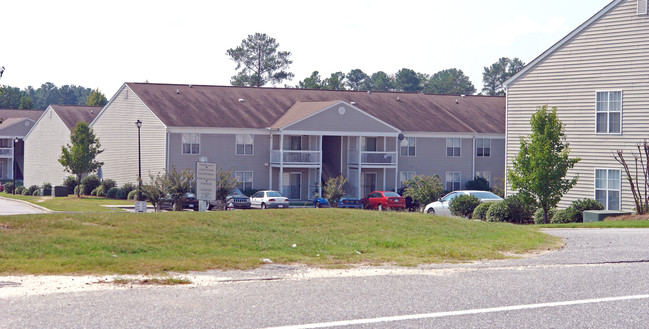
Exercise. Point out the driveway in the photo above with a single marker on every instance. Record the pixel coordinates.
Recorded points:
(17, 207)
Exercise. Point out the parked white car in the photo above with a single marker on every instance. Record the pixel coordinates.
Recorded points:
(440, 207)
(268, 199)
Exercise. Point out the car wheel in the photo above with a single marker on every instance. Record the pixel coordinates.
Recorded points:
(263, 205)
(317, 204)
(431, 210)
(380, 207)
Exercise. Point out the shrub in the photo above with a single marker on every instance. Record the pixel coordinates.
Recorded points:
(9, 188)
(497, 212)
(132, 195)
(46, 186)
(90, 183)
(538, 215)
(480, 212)
(20, 189)
(33, 188)
(128, 187)
(479, 183)
(564, 216)
(112, 192)
(26, 192)
(519, 211)
(100, 191)
(70, 182)
(120, 194)
(36, 193)
(584, 204)
(107, 184)
(463, 205)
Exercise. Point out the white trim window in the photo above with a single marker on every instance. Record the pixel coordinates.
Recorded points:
(453, 180)
(453, 147)
(369, 144)
(608, 110)
(408, 146)
(405, 176)
(607, 188)
(244, 180)
(245, 144)
(483, 147)
(191, 143)
(484, 174)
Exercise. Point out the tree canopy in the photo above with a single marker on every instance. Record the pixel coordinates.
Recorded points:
(78, 157)
(259, 62)
(96, 98)
(450, 81)
(540, 168)
(408, 80)
(47, 94)
(495, 75)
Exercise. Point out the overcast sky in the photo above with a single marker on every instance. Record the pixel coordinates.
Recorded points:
(104, 44)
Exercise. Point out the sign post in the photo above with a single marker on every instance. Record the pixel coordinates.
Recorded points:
(205, 183)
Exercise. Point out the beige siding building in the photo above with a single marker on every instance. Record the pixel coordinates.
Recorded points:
(598, 78)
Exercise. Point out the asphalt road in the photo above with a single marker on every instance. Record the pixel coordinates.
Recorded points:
(598, 280)
(13, 207)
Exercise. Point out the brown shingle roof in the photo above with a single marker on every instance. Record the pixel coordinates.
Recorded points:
(28, 114)
(242, 107)
(71, 114)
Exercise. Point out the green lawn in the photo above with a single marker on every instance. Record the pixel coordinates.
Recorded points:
(126, 243)
(72, 203)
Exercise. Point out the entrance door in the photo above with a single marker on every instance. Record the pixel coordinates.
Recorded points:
(295, 186)
(369, 183)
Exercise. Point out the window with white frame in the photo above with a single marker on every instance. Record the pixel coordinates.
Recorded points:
(245, 144)
(453, 147)
(405, 176)
(369, 144)
(484, 174)
(191, 143)
(483, 147)
(407, 146)
(607, 188)
(453, 181)
(609, 112)
(244, 180)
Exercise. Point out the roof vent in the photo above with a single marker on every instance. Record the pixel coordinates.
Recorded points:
(190, 86)
(398, 99)
(463, 96)
(353, 103)
(178, 91)
(240, 100)
(456, 102)
(92, 111)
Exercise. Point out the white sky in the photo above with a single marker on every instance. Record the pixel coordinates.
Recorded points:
(104, 44)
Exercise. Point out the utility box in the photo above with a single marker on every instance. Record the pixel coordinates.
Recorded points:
(60, 191)
(599, 215)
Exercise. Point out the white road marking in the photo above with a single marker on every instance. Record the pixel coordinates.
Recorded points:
(456, 313)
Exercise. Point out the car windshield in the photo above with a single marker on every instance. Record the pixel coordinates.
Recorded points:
(390, 194)
(190, 195)
(235, 191)
(485, 195)
(273, 194)
(449, 197)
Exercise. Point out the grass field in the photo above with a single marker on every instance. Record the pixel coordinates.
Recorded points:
(72, 203)
(153, 243)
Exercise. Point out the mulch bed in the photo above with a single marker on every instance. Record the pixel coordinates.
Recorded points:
(626, 217)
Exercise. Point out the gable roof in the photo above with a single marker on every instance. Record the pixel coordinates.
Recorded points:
(6, 114)
(245, 107)
(563, 41)
(301, 110)
(71, 114)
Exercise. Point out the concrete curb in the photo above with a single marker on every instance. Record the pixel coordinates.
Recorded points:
(43, 209)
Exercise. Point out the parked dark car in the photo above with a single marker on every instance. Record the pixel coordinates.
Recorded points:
(236, 197)
(189, 201)
(342, 203)
(381, 200)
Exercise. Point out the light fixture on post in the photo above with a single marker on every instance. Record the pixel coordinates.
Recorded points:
(138, 123)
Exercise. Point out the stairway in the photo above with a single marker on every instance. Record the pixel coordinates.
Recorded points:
(329, 171)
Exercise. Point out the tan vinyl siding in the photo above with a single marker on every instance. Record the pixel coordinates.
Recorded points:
(115, 127)
(612, 54)
(43, 149)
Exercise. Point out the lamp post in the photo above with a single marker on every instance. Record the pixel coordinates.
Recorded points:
(16, 140)
(138, 123)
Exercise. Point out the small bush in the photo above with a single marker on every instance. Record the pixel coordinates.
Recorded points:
(26, 192)
(564, 216)
(120, 194)
(479, 183)
(46, 186)
(9, 188)
(497, 212)
(107, 184)
(33, 188)
(132, 195)
(112, 192)
(480, 212)
(36, 193)
(519, 211)
(70, 182)
(128, 187)
(538, 215)
(20, 189)
(463, 205)
(90, 183)
(584, 204)
(100, 191)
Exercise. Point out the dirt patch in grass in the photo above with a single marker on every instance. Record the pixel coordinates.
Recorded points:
(626, 217)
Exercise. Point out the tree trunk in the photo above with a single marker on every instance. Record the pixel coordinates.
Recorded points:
(78, 186)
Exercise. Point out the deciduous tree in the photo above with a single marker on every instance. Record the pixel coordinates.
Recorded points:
(78, 157)
(96, 98)
(539, 170)
(450, 81)
(423, 189)
(334, 190)
(260, 61)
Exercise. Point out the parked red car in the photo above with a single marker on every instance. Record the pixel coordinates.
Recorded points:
(384, 200)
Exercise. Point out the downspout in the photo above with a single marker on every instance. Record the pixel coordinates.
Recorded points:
(320, 179)
(270, 161)
(167, 152)
(474, 152)
(397, 153)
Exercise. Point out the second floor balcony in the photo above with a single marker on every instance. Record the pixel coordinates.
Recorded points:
(287, 157)
(373, 158)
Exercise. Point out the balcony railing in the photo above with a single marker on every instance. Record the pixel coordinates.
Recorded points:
(295, 157)
(373, 158)
(6, 152)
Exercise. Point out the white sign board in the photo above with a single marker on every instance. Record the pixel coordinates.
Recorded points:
(140, 206)
(205, 181)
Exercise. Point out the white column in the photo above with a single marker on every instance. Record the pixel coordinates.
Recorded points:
(360, 171)
(320, 175)
(473, 158)
(281, 161)
(270, 164)
(396, 163)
